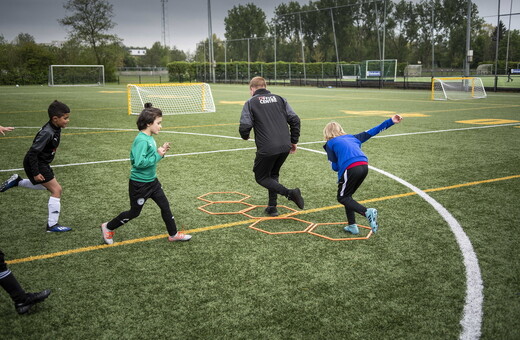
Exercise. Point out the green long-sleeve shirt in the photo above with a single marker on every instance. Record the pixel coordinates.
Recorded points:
(144, 158)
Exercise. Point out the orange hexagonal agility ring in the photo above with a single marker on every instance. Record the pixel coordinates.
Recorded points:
(302, 230)
(241, 211)
(290, 212)
(312, 231)
(205, 199)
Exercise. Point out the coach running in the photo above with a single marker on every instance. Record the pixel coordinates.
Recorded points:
(277, 131)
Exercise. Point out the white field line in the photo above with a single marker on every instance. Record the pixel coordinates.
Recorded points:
(231, 137)
(472, 313)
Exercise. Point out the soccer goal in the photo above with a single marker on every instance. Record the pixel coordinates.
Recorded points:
(380, 69)
(485, 69)
(457, 88)
(413, 71)
(76, 75)
(171, 98)
(350, 71)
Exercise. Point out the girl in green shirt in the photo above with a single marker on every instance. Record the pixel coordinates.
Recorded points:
(144, 184)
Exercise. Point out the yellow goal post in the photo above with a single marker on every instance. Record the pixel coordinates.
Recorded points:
(171, 98)
(457, 88)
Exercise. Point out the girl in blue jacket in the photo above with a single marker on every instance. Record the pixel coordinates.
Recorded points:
(345, 156)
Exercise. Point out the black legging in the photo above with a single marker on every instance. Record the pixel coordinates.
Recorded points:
(156, 193)
(347, 186)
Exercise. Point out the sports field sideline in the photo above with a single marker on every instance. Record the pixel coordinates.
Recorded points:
(443, 265)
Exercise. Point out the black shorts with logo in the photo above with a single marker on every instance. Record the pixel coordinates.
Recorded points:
(139, 192)
(44, 169)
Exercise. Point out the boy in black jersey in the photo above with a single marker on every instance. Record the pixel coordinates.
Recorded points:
(37, 163)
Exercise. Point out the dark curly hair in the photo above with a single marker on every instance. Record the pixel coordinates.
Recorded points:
(57, 109)
(147, 116)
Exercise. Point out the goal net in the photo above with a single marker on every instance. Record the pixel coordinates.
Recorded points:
(457, 88)
(171, 98)
(349, 71)
(485, 69)
(379, 69)
(413, 71)
(76, 75)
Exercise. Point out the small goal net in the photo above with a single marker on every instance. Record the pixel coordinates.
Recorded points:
(457, 88)
(76, 75)
(413, 71)
(171, 98)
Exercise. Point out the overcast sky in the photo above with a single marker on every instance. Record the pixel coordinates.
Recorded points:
(139, 22)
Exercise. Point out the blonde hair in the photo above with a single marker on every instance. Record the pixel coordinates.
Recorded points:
(257, 83)
(333, 129)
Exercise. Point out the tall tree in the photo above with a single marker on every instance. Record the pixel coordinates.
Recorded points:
(245, 22)
(90, 22)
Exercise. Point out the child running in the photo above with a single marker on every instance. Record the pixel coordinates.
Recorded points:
(37, 164)
(345, 155)
(144, 184)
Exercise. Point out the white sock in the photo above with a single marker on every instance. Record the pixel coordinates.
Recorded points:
(25, 183)
(54, 211)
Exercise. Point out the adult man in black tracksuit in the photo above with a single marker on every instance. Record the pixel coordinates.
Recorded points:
(277, 130)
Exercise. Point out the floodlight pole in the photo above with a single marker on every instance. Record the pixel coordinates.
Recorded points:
(275, 54)
(468, 38)
(303, 51)
(225, 61)
(508, 37)
(335, 41)
(433, 38)
(163, 2)
(210, 42)
(496, 49)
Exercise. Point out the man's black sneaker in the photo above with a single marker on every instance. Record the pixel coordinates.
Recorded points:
(31, 300)
(271, 211)
(295, 195)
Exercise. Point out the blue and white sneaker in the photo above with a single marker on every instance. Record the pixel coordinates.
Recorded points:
(352, 228)
(10, 183)
(371, 215)
(57, 228)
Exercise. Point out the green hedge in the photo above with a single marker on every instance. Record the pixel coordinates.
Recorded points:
(182, 71)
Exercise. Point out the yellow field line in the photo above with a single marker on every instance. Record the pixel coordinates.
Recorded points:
(232, 224)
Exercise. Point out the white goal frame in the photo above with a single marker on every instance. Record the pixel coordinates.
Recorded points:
(171, 98)
(381, 69)
(96, 80)
(457, 88)
(413, 70)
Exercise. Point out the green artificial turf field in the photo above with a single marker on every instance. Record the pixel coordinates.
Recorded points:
(444, 264)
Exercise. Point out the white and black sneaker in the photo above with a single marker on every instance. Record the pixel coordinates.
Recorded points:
(10, 183)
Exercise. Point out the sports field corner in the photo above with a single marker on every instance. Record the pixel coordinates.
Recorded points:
(444, 263)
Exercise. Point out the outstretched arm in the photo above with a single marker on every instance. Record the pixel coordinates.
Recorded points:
(366, 135)
(5, 129)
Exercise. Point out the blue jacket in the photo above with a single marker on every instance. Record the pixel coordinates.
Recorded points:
(344, 150)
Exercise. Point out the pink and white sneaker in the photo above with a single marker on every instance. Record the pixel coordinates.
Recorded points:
(107, 233)
(179, 237)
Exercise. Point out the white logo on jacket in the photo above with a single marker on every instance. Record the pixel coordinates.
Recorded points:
(267, 100)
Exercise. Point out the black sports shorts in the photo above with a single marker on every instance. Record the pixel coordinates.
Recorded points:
(44, 169)
(139, 192)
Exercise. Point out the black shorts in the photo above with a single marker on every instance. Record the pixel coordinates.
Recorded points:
(44, 169)
(140, 191)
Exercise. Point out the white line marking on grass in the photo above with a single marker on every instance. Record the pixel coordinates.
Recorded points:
(472, 314)
(128, 159)
(427, 132)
